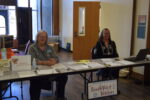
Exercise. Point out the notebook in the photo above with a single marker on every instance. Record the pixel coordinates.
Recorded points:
(140, 56)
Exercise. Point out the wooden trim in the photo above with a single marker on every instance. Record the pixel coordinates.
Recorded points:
(8, 2)
(148, 31)
(55, 17)
(133, 27)
(132, 32)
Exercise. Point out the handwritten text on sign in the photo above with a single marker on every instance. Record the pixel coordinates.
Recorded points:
(102, 88)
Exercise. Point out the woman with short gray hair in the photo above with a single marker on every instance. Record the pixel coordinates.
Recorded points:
(45, 55)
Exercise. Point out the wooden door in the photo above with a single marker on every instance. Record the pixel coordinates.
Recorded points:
(82, 45)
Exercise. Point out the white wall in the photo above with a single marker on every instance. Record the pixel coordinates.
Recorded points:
(66, 21)
(115, 14)
(141, 9)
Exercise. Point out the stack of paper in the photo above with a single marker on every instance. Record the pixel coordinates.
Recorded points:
(113, 64)
(46, 71)
(69, 63)
(41, 67)
(26, 73)
(9, 76)
(59, 66)
(78, 67)
(95, 65)
(107, 60)
(125, 62)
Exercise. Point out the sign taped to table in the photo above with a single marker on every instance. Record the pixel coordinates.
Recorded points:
(102, 89)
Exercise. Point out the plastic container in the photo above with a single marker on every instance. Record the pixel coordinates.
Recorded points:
(3, 53)
(34, 65)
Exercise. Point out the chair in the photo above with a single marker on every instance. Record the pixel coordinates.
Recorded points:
(27, 47)
(25, 50)
(94, 53)
(3, 89)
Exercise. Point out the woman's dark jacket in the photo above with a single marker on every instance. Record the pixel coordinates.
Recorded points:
(101, 51)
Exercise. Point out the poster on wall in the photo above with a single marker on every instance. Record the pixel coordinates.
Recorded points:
(141, 26)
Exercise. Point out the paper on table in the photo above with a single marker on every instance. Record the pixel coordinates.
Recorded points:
(26, 73)
(148, 56)
(95, 65)
(41, 67)
(69, 63)
(45, 71)
(107, 60)
(1, 73)
(78, 67)
(59, 66)
(8, 76)
(63, 70)
(111, 64)
(125, 62)
(54, 71)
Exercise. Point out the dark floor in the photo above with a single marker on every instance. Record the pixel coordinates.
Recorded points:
(129, 90)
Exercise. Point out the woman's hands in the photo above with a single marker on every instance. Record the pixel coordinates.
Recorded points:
(52, 61)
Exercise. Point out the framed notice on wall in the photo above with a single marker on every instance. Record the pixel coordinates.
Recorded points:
(141, 26)
(102, 89)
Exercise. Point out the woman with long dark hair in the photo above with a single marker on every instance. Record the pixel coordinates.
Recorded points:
(106, 48)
